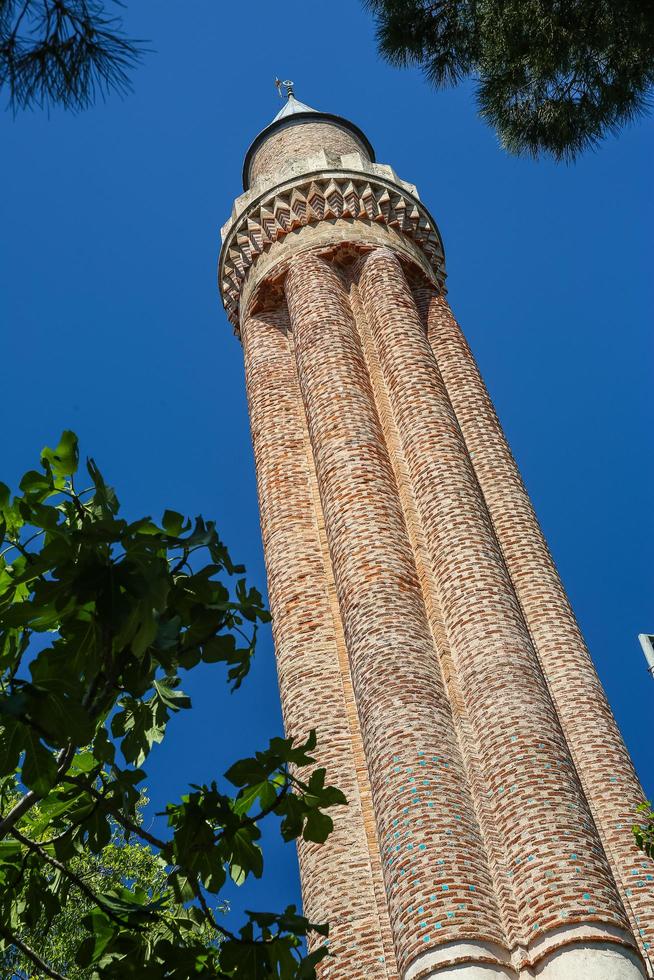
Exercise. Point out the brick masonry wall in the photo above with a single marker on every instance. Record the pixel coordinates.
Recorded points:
(532, 780)
(467, 741)
(337, 879)
(603, 763)
(298, 141)
(361, 766)
(437, 879)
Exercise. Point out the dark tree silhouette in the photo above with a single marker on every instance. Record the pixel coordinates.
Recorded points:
(63, 52)
(553, 76)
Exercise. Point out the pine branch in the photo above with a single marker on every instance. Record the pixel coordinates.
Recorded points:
(550, 78)
(65, 52)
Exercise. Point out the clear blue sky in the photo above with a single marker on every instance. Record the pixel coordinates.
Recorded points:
(112, 323)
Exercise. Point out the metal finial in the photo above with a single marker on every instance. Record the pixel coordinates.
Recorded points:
(288, 85)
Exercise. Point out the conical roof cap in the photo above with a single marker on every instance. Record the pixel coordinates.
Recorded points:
(290, 107)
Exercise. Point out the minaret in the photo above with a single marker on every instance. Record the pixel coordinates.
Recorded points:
(419, 622)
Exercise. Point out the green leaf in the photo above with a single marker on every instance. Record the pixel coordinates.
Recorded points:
(320, 795)
(15, 705)
(132, 906)
(12, 743)
(145, 526)
(245, 960)
(36, 485)
(246, 771)
(39, 771)
(168, 633)
(293, 810)
(174, 700)
(173, 523)
(219, 648)
(182, 886)
(64, 719)
(43, 516)
(51, 808)
(62, 460)
(202, 534)
(246, 856)
(37, 615)
(147, 631)
(10, 518)
(102, 932)
(98, 830)
(103, 748)
(105, 498)
(264, 792)
(125, 625)
(318, 827)
(141, 725)
(54, 671)
(9, 850)
(307, 968)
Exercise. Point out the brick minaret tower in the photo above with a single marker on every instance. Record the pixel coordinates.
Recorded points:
(419, 622)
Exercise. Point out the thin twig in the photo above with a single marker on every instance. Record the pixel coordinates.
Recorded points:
(208, 914)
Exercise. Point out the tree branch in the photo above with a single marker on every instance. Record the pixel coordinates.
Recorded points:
(118, 817)
(31, 799)
(75, 878)
(29, 557)
(31, 955)
(208, 914)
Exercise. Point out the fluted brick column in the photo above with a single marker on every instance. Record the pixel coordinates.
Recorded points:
(602, 760)
(438, 885)
(337, 877)
(560, 873)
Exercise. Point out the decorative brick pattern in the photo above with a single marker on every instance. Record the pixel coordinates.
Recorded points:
(418, 619)
(469, 749)
(532, 781)
(602, 760)
(425, 818)
(321, 198)
(337, 880)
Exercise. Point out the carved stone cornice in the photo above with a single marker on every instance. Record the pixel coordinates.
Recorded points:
(321, 197)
